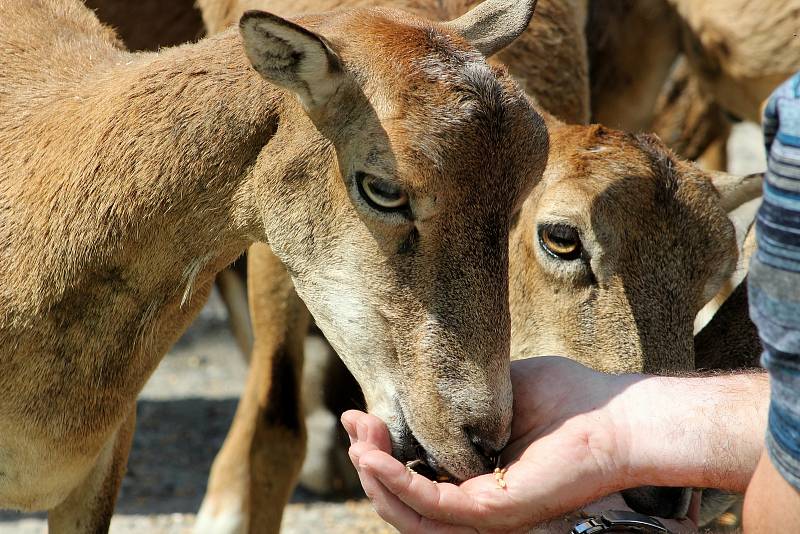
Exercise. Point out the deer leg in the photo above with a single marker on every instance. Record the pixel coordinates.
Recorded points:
(88, 509)
(715, 157)
(255, 471)
(233, 291)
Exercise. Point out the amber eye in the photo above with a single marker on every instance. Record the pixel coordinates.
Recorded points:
(561, 241)
(381, 194)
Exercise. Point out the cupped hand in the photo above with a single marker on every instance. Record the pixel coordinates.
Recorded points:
(565, 451)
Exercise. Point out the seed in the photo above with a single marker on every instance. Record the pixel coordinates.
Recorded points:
(498, 476)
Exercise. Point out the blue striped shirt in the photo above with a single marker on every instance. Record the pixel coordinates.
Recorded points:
(774, 280)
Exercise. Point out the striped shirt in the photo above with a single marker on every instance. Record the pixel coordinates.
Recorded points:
(774, 280)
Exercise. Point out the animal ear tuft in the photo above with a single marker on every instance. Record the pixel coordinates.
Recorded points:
(494, 24)
(291, 56)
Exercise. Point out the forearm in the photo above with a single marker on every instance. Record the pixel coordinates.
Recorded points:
(771, 504)
(701, 432)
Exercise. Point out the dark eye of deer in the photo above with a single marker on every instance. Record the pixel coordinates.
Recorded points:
(561, 241)
(381, 194)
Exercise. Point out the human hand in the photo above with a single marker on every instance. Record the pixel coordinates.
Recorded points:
(577, 435)
(564, 452)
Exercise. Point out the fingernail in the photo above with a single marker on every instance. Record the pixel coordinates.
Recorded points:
(349, 434)
(347, 428)
(361, 431)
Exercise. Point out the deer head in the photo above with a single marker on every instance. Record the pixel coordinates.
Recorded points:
(388, 190)
(617, 249)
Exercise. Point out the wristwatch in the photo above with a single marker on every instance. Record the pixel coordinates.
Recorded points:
(620, 521)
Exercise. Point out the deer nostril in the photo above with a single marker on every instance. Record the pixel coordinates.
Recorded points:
(489, 453)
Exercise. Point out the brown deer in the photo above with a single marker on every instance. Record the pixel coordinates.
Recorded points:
(376, 152)
(599, 184)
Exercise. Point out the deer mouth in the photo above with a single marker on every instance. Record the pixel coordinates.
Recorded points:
(437, 466)
(427, 466)
(416, 458)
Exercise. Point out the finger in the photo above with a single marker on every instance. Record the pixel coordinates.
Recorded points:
(361, 426)
(377, 432)
(357, 450)
(349, 423)
(398, 514)
(443, 502)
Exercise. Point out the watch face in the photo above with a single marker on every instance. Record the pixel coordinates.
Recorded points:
(586, 527)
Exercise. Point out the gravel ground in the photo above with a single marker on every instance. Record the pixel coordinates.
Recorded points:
(186, 408)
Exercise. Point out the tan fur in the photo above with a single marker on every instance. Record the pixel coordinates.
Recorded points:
(127, 181)
(270, 411)
(741, 49)
(738, 53)
(632, 46)
(660, 247)
(600, 179)
(154, 24)
(234, 294)
(690, 121)
(548, 59)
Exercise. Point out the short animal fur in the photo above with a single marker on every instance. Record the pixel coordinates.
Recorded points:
(127, 181)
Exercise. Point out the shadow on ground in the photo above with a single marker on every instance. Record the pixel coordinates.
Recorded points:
(173, 448)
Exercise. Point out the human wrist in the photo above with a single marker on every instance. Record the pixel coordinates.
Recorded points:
(697, 431)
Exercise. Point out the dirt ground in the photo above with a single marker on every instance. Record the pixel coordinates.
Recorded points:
(186, 408)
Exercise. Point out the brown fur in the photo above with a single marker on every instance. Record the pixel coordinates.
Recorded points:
(660, 247)
(741, 49)
(641, 82)
(738, 52)
(127, 181)
(689, 121)
(600, 179)
(271, 411)
(622, 37)
(548, 59)
(730, 340)
(150, 24)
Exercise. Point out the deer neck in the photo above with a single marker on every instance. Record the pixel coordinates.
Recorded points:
(120, 199)
(154, 187)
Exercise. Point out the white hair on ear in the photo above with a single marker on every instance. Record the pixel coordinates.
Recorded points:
(291, 57)
(494, 24)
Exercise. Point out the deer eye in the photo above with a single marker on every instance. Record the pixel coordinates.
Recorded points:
(381, 194)
(561, 241)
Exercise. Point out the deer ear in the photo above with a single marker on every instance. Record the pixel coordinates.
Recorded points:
(737, 190)
(291, 57)
(494, 24)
